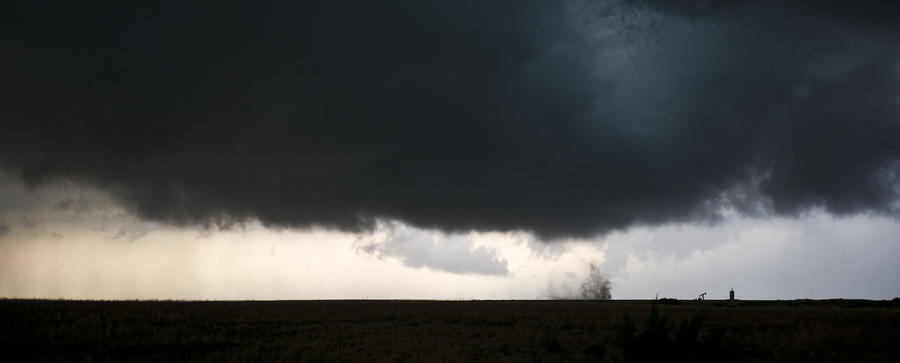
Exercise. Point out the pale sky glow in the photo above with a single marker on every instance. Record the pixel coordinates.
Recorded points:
(101, 252)
(258, 264)
(816, 256)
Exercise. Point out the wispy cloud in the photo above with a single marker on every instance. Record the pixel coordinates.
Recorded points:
(433, 250)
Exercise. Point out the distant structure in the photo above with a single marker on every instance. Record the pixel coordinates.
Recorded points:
(702, 296)
(731, 295)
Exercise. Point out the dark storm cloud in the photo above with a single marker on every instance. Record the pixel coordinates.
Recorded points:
(561, 118)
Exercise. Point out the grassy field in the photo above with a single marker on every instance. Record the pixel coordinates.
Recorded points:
(833, 330)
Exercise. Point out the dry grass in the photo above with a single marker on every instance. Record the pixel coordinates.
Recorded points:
(441, 330)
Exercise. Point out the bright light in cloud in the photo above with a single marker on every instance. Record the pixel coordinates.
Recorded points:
(87, 247)
(54, 245)
(254, 263)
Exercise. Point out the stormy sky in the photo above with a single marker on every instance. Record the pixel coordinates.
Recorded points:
(498, 148)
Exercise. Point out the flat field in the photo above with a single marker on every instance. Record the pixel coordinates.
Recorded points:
(668, 330)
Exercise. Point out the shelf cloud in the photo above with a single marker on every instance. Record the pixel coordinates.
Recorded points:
(562, 118)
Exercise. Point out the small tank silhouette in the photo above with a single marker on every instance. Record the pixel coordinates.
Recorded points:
(731, 295)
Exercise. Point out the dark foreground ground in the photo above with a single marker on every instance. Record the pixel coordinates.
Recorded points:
(667, 331)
